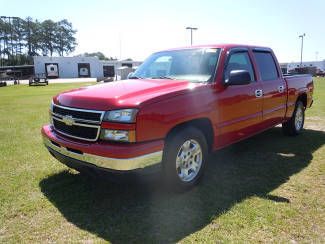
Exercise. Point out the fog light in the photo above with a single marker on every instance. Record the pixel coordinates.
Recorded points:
(118, 135)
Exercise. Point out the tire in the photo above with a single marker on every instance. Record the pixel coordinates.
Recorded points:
(180, 156)
(295, 125)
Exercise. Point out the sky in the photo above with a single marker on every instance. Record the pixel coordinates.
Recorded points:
(135, 29)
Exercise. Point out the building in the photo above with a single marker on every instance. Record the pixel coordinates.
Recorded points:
(318, 65)
(284, 68)
(17, 71)
(79, 67)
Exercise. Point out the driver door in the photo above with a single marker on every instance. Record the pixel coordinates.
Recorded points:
(240, 106)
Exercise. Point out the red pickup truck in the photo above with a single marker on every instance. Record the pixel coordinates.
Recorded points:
(178, 106)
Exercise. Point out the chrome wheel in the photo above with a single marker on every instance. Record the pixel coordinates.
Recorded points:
(189, 160)
(299, 118)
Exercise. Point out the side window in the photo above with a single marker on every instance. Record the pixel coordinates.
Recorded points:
(239, 61)
(266, 65)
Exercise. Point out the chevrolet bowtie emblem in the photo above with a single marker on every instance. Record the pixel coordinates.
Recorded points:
(68, 120)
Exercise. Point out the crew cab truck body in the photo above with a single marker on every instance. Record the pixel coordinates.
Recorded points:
(177, 107)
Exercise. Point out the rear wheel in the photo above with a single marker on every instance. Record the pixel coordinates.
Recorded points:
(295, 125)
(185, 158)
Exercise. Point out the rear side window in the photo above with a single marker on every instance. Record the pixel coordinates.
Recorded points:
(239, 61)
(266, 65)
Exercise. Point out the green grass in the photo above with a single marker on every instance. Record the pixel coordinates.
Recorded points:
(318, 109)
(269, 188)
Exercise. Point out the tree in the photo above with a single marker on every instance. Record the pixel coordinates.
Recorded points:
(11, 40)
(4, 39)
(20, 39)
(65, 40)
(33, 36)
(99, 55)
(48, 37)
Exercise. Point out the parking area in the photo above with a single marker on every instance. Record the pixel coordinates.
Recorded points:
(58, 81)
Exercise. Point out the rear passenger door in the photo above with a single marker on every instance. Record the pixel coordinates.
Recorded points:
(273, 87)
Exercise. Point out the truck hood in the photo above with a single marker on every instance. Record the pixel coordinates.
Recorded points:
(122, 94)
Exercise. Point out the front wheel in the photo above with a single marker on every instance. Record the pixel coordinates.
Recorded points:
(295, 125)
(185, 158)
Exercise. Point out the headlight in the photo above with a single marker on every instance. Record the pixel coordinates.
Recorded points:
(118, 135)
(123, 115)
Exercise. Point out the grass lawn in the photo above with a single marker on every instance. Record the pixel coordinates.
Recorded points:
(269, 188)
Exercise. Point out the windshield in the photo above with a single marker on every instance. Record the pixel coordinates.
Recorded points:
(194, 65)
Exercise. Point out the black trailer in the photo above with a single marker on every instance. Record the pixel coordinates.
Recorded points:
(38, 79)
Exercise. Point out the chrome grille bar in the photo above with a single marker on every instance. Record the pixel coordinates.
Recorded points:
(74, 127)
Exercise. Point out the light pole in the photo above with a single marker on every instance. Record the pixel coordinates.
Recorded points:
(191, 29)
(302, 47)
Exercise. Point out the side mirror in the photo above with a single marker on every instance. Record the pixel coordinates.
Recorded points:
(238, 77)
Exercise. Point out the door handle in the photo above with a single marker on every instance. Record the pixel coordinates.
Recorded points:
(280, 89)
(258, 93)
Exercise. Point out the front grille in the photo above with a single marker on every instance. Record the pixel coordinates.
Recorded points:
(77, 113)
(75, 130)
(81, 124)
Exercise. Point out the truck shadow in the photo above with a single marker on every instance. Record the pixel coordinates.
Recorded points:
(148, 213)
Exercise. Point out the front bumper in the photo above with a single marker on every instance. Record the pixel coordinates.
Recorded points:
(80, 153)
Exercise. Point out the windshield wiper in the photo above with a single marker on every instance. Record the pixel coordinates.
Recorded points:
(163, 77)
(134, 77)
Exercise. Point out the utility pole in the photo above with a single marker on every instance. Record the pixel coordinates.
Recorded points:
(302, 47)
(191, 29)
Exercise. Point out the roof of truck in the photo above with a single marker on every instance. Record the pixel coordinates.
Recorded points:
(223, 45)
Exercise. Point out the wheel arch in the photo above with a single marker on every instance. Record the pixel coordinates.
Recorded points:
(202, 124)
(303, 98)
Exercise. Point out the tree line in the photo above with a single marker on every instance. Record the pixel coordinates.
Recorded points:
(20, 39)
(99, 55)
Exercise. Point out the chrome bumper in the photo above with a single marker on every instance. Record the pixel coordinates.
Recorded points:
(109, 163)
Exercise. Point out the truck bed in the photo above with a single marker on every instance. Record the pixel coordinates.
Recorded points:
(296, 85)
